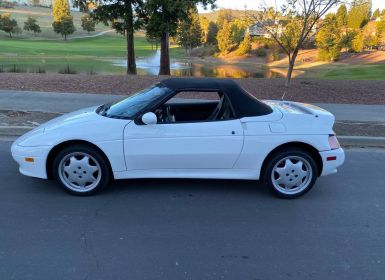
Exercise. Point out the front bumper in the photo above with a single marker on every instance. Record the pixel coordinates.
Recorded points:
(332, 160)
(37, 168)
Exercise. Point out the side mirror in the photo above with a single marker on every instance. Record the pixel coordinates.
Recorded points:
(149, 118)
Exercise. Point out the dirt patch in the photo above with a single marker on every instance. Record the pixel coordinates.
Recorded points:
(24, 118)
(312, 91)
(359, 129)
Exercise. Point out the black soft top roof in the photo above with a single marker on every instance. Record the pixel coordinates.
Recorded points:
(244, 104)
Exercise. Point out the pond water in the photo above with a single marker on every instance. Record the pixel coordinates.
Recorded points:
(150, 66)
(145, 66)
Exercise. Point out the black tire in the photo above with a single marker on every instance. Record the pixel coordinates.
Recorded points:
(96, 160)
(293, 154)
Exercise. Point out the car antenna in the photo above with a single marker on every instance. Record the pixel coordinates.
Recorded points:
(283, 95)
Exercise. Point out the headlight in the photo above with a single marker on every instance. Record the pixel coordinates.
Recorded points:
(333, 142)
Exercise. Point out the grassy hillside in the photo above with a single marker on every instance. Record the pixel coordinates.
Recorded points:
(44, 18)
(212, 16)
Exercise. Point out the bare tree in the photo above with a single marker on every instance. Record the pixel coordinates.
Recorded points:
(291, 24)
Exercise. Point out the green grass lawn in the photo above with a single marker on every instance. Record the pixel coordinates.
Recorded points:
(103, 46)
(357, 72)
(343, 71)
(88, 55)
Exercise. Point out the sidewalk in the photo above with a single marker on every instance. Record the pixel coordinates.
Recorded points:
(23, 110)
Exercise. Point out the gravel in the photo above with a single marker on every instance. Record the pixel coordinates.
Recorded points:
(312, 91)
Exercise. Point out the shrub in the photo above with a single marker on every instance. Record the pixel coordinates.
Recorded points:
(261, 52)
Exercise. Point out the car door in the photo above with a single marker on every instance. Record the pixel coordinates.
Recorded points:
(190, 143)
(201, 145)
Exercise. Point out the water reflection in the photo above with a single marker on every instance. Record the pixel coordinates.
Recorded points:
(150, 66)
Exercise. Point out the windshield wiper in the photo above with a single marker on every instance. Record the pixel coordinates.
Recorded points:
(104, 108)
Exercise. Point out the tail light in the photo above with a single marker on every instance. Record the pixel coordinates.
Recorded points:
(333, 142)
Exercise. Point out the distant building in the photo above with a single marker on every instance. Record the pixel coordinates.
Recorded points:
(259, 29)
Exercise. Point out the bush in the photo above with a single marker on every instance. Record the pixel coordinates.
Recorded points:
(261, 52)
(207, 50)
(358, 43)
(245, 46)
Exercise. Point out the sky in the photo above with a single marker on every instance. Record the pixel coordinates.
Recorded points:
(254, 4)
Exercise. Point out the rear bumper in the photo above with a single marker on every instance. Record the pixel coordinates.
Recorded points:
(332, 160)
(37, 168)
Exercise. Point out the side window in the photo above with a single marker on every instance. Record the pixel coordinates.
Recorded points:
(195, 106)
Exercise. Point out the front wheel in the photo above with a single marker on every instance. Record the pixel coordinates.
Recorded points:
(81, 170)
(290, 174)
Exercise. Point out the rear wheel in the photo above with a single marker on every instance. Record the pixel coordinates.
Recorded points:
(81, 170)
(290, 174)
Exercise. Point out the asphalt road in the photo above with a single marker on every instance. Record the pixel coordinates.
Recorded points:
(195, 229)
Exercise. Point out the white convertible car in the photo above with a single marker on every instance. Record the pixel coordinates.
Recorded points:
(185, 128)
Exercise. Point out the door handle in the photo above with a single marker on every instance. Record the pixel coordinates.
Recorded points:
(233, 132)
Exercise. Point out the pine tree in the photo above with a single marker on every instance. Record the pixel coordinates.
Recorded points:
(189, 33)
(162, 21)
(359, 14)
(358, 42)
(224, 38)
(376, 13)
(342, 16)
(125, 16)
(212, 33)
(245, 46)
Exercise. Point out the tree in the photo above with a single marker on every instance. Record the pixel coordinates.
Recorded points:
(9, 25)
(88, 24)
(162, 21)
(347, 39)
(212, 33)
(380, 31)
(224, 15)
(238, 30)
(153, 41)
(291, 25)
(245, 46)
(342, 16)
(328, 39)
(359, 14)
(376, 13)
(32, 25)
(189, 32)
(224, 38)
(125, 16)
(65, 26)
(204, 22)
(60, 9)
(358, 42)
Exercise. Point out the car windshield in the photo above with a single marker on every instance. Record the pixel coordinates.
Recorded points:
(132, 105)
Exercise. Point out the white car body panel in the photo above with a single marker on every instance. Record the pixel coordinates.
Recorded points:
(232, 149)
(201, 145)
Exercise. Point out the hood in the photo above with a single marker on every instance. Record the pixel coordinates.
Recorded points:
(79, 116)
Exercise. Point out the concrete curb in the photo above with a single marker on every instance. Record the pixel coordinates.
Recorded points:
(346, 141)
(362, 141)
